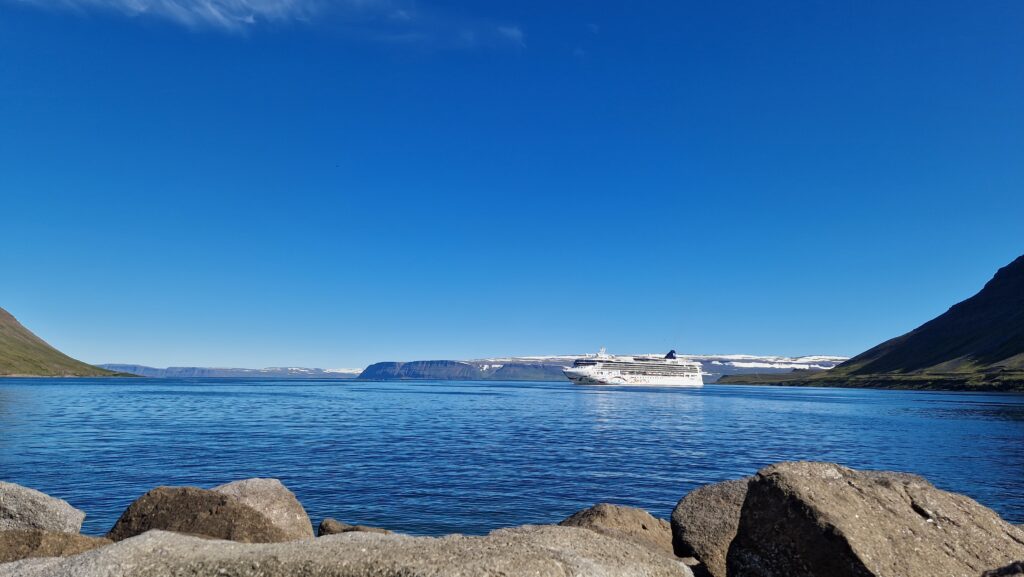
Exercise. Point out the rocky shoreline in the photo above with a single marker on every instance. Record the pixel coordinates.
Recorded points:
(796, 519)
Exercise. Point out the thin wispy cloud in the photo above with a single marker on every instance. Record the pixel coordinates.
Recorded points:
(402, 15)
(513, 34)
(224, 14)
(386, 21)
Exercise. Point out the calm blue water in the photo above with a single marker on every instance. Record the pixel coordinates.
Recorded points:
(440, 457)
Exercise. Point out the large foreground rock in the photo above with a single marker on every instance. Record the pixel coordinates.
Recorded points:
(624, 523)
(271, 498)
(198, 512)
(535, 551)
(24, 508)
(816, 519)
(705, 521)
(27, 543)
(334, 527)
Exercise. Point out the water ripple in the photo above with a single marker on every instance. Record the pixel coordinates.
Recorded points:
(441, 457)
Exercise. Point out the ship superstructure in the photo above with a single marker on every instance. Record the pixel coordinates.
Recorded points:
(605, 369)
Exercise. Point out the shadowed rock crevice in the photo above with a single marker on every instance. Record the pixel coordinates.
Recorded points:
(705, 521)
(808, 546)
(1012, 570)
(334, 527)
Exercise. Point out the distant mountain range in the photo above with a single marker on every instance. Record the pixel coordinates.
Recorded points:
(538, 368)
(213, 372)
(24, 354)
(977, 344)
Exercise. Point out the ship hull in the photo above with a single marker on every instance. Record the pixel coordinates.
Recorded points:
(620, 380)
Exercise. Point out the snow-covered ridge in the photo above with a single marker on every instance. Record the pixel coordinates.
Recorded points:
(744, 361)
(810, 362)
(304, 371)
(714, 366)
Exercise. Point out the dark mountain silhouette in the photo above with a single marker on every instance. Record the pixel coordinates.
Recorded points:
(984, 332)
(976, 344)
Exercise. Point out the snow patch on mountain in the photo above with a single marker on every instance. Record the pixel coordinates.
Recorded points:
(714, 366)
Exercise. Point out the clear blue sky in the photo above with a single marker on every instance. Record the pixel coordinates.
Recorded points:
(313, 183)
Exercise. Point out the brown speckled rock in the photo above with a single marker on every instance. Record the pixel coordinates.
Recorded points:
(198, 512)
(25, 544)
(271, 498)
(547, 551)
(813, 519)
(334, 527)
(704, 523)
(624, 523)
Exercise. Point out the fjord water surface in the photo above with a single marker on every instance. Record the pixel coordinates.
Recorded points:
(439, 457)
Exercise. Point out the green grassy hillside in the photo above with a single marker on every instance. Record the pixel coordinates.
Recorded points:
(23, 353)
(984, 332)
(977, 344)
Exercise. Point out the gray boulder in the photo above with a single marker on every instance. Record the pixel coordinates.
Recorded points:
(705, 521)
(28, 543)
(271, 498)
(334, 527)
(627, 523)
(812, 519)
(24, 508)
(198, 512)
(548, 551)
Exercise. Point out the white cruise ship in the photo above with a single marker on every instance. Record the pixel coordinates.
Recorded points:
(650, 371)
